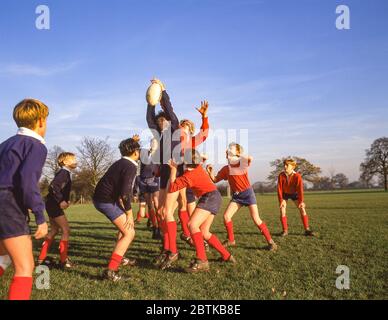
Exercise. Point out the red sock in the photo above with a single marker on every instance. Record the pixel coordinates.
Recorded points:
(264, 230)
(166, 241)
(305, 220)
(115, 262)
(1, 271)
(63, 247)
(138, 218)
(229, 229)
(216, 244)
(20, 288)
(284, 223)
(147, 215)
(45, 248)
(184, 218)
(199, 246)
(171, 226)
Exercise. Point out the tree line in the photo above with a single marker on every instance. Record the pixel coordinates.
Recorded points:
(96, 155)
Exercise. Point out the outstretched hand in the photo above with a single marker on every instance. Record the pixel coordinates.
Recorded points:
(203, 109)
(136, 138)
(209, 169)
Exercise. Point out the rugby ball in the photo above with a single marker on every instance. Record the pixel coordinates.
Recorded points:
(154, 94)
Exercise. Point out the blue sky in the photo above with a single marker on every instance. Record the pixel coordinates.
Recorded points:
(279, 69)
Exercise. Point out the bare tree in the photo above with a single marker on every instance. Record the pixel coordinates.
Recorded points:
(95, 157)
(308, 171)
(51, 166)
(376, 162)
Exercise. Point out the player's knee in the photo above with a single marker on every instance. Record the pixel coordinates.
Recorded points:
(206, 234)
(227, 218)
(25, 268)
(193, 227)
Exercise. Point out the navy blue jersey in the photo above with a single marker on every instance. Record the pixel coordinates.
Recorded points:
(117, 183)
(60, 187)
(21, 162)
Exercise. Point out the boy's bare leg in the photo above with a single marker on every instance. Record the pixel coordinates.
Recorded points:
(305, 218)
(47, 243)
(254, 211)
(230, 211)
(20, 251)
(63, 224)
(283, 218)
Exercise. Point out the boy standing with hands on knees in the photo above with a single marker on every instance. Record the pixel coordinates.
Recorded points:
(22, 158)
(290, 187)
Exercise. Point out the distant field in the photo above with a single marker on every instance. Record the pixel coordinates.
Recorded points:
(353, 231)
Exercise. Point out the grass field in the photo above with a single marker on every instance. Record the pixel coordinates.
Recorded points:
(353, 231)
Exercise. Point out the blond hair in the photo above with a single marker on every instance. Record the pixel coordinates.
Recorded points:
(239, 148)
(28, 112)
(63, 157)
(290, 161)
(188, 123)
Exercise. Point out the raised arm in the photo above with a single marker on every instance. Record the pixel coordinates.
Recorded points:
(168, 109)
(204, 131)
(150, 117)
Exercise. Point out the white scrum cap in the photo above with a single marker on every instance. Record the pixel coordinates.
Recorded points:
(154, 94)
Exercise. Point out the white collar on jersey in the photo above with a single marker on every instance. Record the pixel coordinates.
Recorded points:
(293, 172)
(29, 133)
(131, 160)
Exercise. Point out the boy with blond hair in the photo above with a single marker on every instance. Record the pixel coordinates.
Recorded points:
(290, 187)
(58, 200)
(236, 173)
(22, 158)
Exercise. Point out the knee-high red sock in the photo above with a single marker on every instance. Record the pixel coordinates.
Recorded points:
(1, 271)
(184, 218)
(115, 262)
(20, 288)
(171, 226)
(45, 248)
(63, 248)
(305, 220)
(229, 229)
(264, 230)
(199, 246)
(216, 244)
(166, 241)
(147, 215)
(284, 223)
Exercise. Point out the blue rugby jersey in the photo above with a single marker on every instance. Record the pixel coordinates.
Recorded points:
(22, 158)
(165, 155)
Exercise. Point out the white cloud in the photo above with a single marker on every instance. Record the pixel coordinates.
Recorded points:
(34, 70)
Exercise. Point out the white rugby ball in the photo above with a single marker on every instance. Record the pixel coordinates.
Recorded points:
(154, 94)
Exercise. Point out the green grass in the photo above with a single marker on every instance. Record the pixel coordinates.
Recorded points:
(352, 231)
